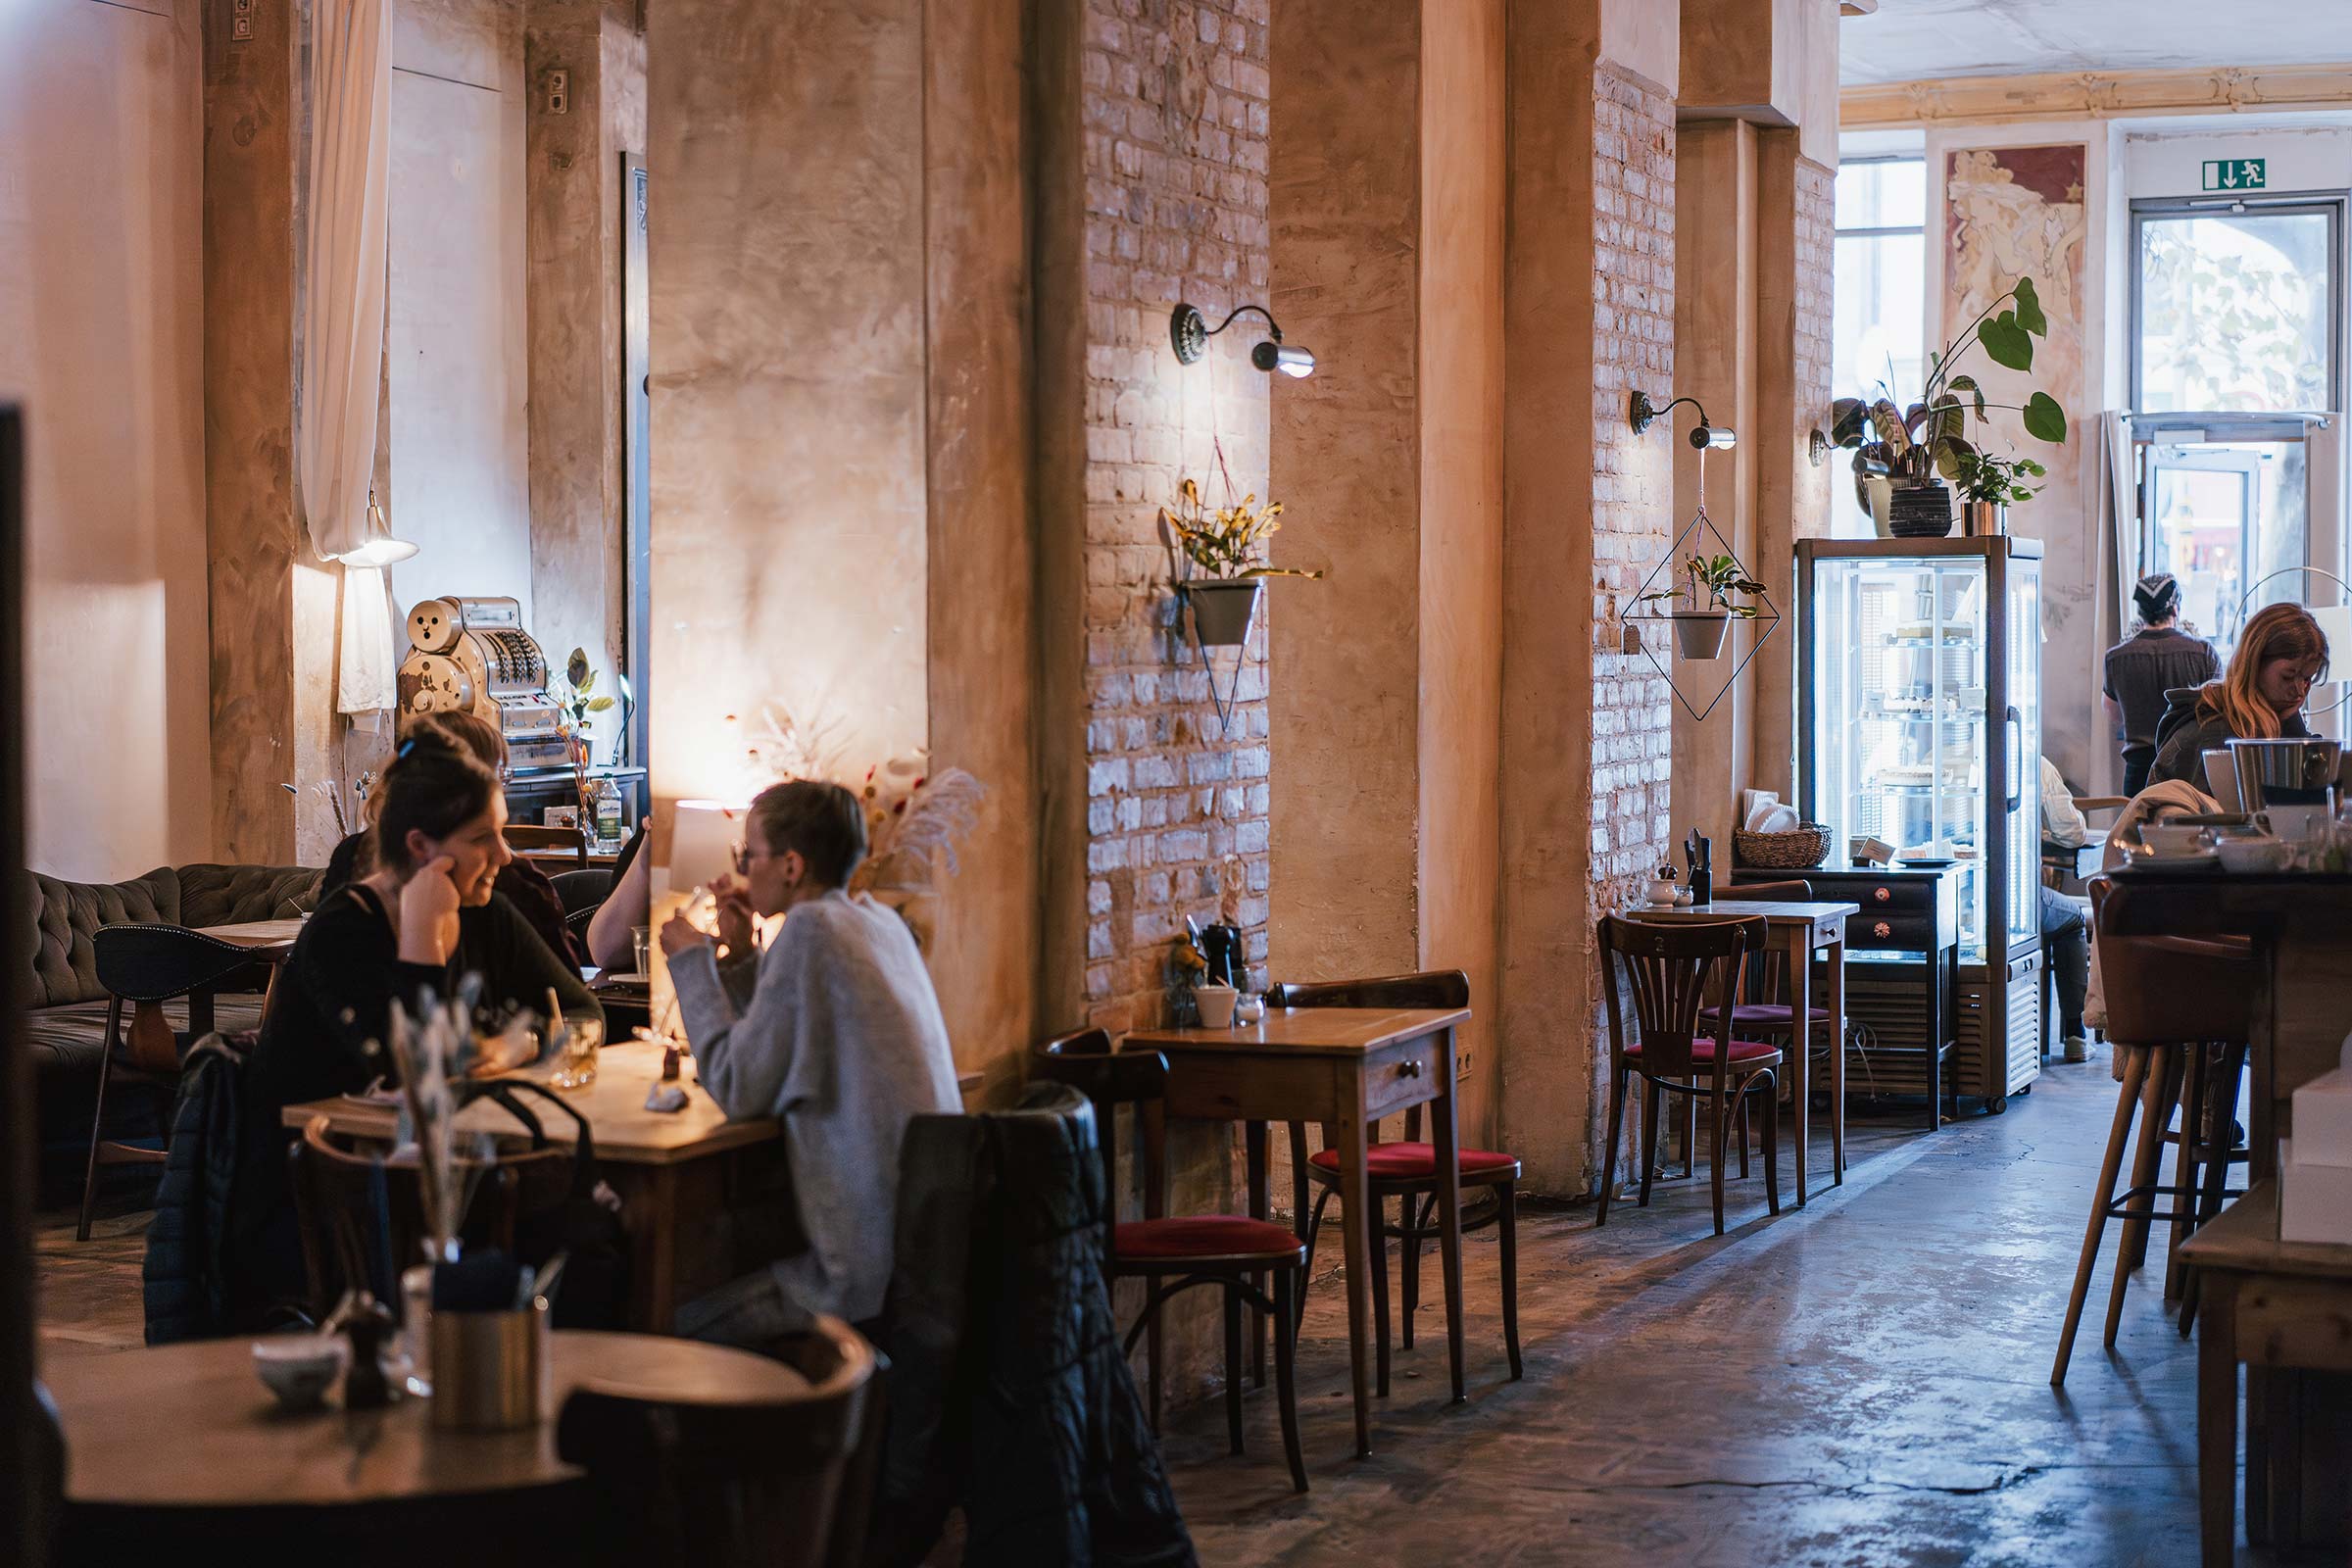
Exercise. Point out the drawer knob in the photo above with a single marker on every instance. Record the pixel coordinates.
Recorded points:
(1408, 1069)
(1881, 894)
(1882, 930)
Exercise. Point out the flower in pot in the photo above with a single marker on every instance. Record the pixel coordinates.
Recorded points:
(1226, 548)
(1918, 447)
(1989, 486)
(1703, 609)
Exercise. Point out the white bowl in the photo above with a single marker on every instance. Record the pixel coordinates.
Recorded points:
(2171, 841)
(300, 1368)
(2250, 854)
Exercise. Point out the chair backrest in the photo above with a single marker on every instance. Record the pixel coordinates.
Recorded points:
(1432, 988)
(2166, 989)
(528, 835)
(1768, 971)
(581, 892)
(363, 1218)
(144, 962)
(1086, 1061)
(715, 1483)
(1673, 969)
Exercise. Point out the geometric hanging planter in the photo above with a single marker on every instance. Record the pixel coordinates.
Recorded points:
(1697, 634)
(1223, 611)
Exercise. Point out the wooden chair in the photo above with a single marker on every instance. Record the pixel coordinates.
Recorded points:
(1406, 1171)
(1228, 1250)
(1766, 1013)
(2167, 999)
(524, 838)
(147, 965)
(1668, 968)
(709, 1483)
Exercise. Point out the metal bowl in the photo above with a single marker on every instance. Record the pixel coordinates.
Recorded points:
(2287, 771)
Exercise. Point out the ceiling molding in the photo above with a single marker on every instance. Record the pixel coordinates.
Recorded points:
(2095, 95)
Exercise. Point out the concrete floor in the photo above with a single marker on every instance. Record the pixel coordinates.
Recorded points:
(1864, 1382)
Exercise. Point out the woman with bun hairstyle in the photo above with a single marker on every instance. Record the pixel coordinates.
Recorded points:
(2280, 655)
(427, 916)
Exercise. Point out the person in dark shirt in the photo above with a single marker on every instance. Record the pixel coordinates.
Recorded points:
(2280, 655)
(2144, 667)
(522, 884)
(407, 933)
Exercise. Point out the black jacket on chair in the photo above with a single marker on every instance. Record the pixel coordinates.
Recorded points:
(185, 1274)
(1008, 1395)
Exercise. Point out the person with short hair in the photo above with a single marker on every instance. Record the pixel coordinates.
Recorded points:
(2280, 655)
(2158, 659)
(835, 1029)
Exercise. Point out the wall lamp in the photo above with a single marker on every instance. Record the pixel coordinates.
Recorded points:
(1189, 331)
(1704, 434)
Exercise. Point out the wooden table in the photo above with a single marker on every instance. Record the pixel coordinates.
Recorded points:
(1345, 1068)
(1801, 930)
(184, 1440)
(2286, 1310)
(686, 1178)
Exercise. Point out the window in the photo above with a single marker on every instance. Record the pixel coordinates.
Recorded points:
(1881, 273)
(2234, 307)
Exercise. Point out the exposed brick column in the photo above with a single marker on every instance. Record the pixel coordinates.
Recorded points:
(1590, 313)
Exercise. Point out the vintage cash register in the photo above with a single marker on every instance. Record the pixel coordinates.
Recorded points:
(472, 655)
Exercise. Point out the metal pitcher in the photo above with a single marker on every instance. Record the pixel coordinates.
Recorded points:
(2287, 771)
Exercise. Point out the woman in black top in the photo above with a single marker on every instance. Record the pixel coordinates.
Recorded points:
(408, 933)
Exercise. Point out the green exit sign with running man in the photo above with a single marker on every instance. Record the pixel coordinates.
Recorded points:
(2236, 173)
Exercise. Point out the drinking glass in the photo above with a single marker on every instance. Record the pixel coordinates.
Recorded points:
(575, 1065)
(641, 944)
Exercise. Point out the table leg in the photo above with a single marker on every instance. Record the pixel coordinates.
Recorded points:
(1836, 1000)
(1445, 1135)
(654, 1256)
(1355, 1199)
(1800, 1039)
(2216, 1420)
(1253, 1140)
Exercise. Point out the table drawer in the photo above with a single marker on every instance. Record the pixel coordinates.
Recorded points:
(1409, 1078)
(1902, 933)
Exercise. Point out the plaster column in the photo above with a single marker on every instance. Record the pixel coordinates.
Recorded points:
(1387, 258)
(1589, 291)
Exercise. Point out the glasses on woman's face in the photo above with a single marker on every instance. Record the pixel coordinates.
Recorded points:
(742, 854)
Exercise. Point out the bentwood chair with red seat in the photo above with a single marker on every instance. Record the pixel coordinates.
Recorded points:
(1765, 1012)
(1671, 970)
(1172, 1254)
(1406, 1171)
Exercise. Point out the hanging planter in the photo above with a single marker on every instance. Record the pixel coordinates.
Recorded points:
(1223, 611)
(1699, 633)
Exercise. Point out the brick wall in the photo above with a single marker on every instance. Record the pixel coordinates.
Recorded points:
(1816, 241)
(1175, 121)
(1174, 154)
(1632, 501)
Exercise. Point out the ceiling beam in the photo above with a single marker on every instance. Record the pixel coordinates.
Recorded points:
(2095, 95)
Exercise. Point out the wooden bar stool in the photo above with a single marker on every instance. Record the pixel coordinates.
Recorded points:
(2167, 999)
(1172, 1255)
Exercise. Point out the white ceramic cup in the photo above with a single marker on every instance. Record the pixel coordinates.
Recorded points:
(2253, 854)
(1216, 1005)
(2295, 824)
(2171, 841)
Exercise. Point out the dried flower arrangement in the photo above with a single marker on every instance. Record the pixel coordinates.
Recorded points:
(1228, 544)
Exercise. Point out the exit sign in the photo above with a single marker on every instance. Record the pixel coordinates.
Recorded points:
(2236, 173)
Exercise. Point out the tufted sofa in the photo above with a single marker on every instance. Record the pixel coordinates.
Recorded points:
(66, 1028)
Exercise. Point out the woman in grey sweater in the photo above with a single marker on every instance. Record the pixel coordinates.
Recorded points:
(835, 1029)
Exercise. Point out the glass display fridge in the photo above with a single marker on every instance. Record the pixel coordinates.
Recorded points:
(1919, 723)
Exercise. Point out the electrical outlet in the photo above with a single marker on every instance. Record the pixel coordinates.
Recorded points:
(240, 25)
(1633, 638)
(1461, 1066)
(559, 92)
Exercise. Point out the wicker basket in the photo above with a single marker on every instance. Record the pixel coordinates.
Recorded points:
(1801, 849)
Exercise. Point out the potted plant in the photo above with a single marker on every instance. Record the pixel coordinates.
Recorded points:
(1917, 448)
(1989, 486)
(1227, 547)
(1700, 625)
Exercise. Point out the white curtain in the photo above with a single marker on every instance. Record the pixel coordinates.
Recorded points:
(2114, 565)
(343, 327)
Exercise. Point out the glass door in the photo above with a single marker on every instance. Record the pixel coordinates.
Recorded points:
(2021, 762)
(2227, 513)
(1900, 714)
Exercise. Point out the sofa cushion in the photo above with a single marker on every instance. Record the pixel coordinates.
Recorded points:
(66, 914)
(232, 895)
(71, 1038)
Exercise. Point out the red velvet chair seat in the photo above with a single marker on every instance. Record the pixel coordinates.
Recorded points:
(1704, 1050)
(1410, 1161)
(1193, 1236)
(1765, 1014)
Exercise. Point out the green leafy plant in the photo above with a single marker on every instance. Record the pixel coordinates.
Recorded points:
(577, 698)
(1228, 544)
(1981, 476)
(1721, 577)
(1913, 444)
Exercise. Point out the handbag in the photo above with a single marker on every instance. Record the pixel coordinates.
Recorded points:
(582, 1220)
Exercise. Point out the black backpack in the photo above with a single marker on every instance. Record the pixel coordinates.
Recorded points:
(574, 1219)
